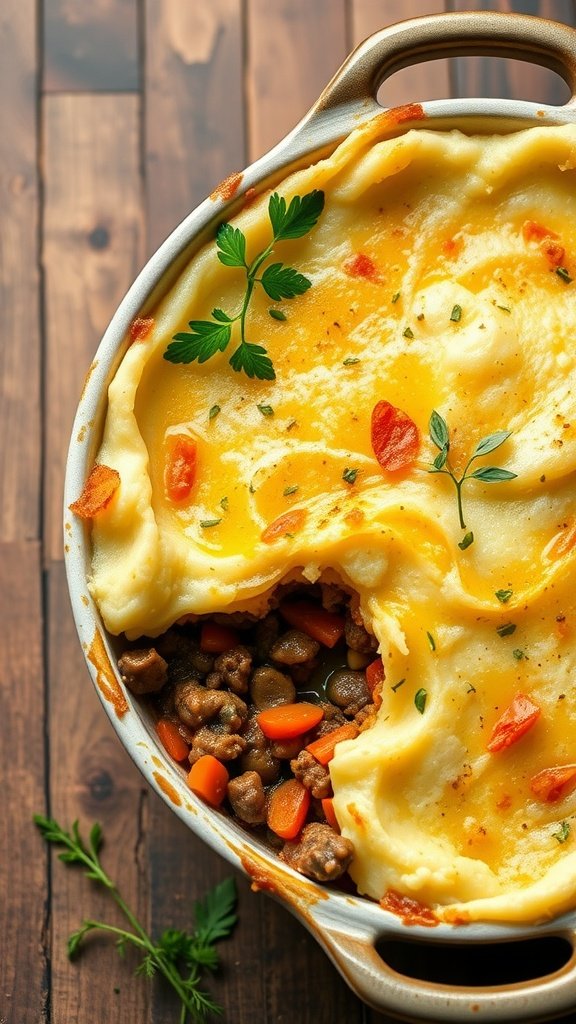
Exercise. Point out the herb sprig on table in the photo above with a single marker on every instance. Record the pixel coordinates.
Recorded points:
(440, 435)
(207, 337)
(181, 957)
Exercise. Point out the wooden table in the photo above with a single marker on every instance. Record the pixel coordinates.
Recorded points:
(117, 117)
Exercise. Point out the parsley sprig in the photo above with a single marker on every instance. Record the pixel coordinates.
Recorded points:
(440, 435)
(207, 337)
(179, 956)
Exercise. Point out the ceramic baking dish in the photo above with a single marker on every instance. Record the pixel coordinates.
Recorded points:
(412, 973)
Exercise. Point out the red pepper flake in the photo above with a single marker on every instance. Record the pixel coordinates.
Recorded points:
(249, 196)
(227, 188)
(395, 437)
(179, 466)
(141, 327)
(410, 910)
(286, 524)
(98, 491)
(452, 247)
(360, 265)
(516, 720)
(551, 784)
(532, 231)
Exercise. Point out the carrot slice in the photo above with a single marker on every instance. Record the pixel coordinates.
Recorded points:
(329, 813)
(323, 748)
(215, 639)
(286, 721)
(171, 740)
(179, 466)
(324, 626)
(287, 809)
(98, 491)
(208, 779)
(550, 784)
(395, 437)
(286, 524)
(518, 718)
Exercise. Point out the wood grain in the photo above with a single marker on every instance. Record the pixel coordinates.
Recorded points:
(91, 779)
(23, 861)
(91, 46)
(427, 81)
(20, 351)
(294, 48)
(92, 252)
(194, 110)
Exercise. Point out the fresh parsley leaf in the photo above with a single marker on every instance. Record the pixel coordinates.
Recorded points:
(408, 333)
(507, 629)
(204, 340)
(466, 541)
(504, 595)
(420, 700)
(563, 832)
(206, 524)
(223, 317)
(350, 361)
(214, 412)
(266, 410)
(349, 475)
(431, 641)
(253, 360)
(178, 955)
(438, 429)
(492, 474)
(290, 490)
(298, 218)
(490, 443)
(564, 275)
(456, 314)
(277, 314)
(280, 282)
(231, 244)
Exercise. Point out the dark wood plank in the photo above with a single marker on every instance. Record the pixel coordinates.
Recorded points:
(91, 779)
(426, 81)
(92, 251)
(91, 47)
(23, 861)
(194, 116)
(495, 77)
(19, 277)
(294, 48)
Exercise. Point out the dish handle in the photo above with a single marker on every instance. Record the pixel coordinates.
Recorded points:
(406, 998)
(459, 34)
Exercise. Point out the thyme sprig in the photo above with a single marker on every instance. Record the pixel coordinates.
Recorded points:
(440, 436)
(207, 337)
(179, 956)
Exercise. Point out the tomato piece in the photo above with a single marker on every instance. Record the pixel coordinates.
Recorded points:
(289, 522)
(550, 784)
(395, 437)
(180, 467)
(516, 720)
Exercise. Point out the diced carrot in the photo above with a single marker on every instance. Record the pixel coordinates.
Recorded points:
(324, 626)
(97, 493)
(395, 437)
(287, 809)
(329, 812)
(286, 721)
(323, 748)
(171, 740)
(140, 327)
(532, 231)
(518, 718)
(550, 784)
(553, 251)
(215, 638)
(289, 522)
(208, 779)
(179, 466)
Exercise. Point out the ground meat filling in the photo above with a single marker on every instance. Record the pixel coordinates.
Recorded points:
(216, 682)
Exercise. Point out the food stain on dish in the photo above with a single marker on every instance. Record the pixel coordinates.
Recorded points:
(106, 679)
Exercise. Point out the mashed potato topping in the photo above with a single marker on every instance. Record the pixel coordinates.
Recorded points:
(441, 273)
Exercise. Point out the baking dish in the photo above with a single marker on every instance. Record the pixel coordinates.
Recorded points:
(362, 939)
